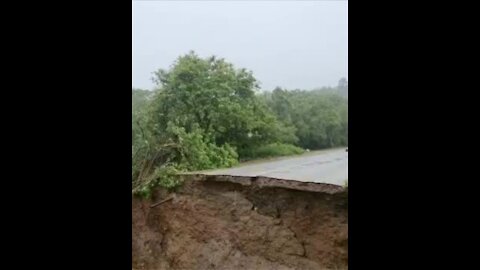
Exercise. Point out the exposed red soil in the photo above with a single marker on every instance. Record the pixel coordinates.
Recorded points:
(222, 222)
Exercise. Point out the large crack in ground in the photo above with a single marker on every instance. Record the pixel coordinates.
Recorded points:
(227, 222)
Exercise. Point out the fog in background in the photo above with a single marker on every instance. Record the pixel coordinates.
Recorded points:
(300, 44)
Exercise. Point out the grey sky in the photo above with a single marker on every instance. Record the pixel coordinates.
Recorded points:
(292, 44)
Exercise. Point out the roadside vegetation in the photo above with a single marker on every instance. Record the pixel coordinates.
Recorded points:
(206, 114)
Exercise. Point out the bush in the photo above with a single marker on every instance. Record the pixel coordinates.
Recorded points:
(156, 163)
(196, 152)
(272, 150)
(164, 176)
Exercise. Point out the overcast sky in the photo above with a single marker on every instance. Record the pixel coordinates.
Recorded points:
(292, 44)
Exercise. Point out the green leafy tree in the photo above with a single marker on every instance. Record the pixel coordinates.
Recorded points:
(211, 95)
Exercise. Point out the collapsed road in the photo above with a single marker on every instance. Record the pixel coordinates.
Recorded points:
(249, 217)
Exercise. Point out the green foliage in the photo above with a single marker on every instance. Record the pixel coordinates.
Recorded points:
(273, 150)
(196, 153)
(206, 114)
(140, 100)
(319, 117)
(164, 176)
(214, 97)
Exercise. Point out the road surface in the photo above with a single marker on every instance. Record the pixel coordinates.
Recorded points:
(330, 166)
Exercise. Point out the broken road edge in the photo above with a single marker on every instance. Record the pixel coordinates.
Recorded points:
(262, 181)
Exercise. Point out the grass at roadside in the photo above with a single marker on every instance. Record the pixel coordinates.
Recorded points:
(273, 150)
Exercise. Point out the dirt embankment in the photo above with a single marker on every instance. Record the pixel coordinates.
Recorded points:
(242, 223)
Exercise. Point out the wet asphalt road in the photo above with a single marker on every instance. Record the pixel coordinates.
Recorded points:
(329, 166)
